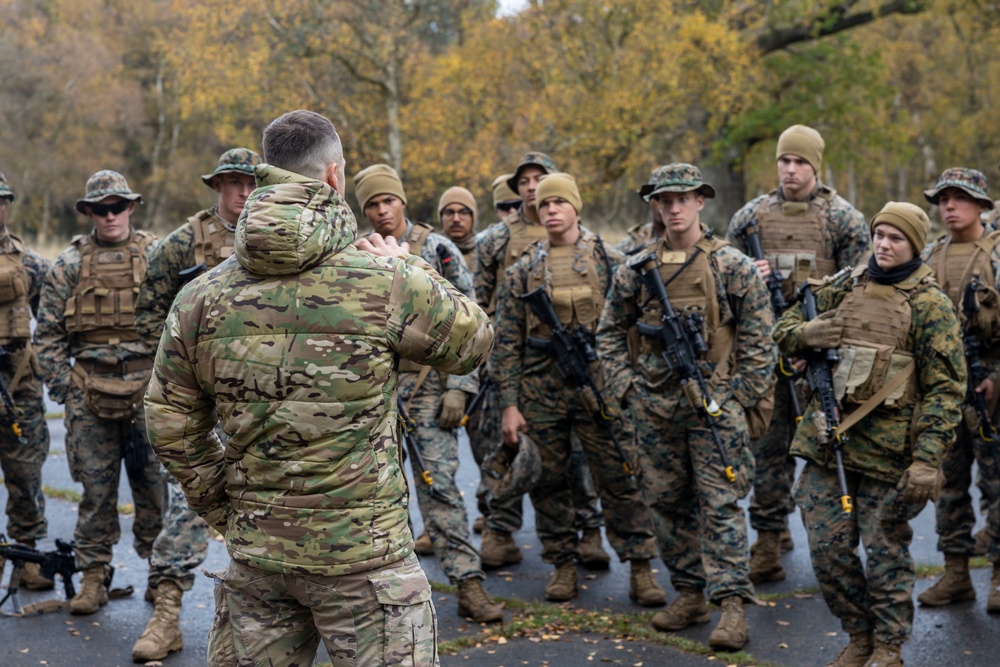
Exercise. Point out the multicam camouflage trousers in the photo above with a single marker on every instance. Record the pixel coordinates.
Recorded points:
(443, 510)
(552, 410)
(94, 452)
(771, 502)
(955, 515)
(876, 596)
(182, 545)
(485, 433)
(382, 617)
(22, 462)
(701, 530)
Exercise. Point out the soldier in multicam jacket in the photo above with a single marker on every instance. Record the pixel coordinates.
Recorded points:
(700, 528)
(900, 355)
(966, 253)
(574, 268)
(639, 235)
(435, 400)
(200, 244)
(22, 454)
(806, 230)
(497, 248)
(293, 344)
(87, 315)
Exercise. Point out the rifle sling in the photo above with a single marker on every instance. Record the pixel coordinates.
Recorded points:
(865, 408)
(421, 376)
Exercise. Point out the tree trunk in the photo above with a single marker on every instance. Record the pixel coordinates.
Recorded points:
(730, 195)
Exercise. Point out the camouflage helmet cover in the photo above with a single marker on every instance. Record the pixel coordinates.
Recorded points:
(969, 181)
(5, 191)
(533, 159)
(510, 474)
(234, 161)
(106, 183)
(676, 177)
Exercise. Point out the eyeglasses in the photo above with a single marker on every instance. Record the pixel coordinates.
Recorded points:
(452, 213)
(508, 205)
(102, 210)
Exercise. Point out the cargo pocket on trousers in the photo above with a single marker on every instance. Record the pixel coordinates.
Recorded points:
(410, 620)
(221, 644)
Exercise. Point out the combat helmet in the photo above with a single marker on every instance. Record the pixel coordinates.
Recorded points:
(510, 474)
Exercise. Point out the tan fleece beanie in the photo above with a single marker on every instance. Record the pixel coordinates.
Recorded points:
(502, 191)
(558, 185)
(907, 218)
(461, 196)
(378, 179)
(804, 142)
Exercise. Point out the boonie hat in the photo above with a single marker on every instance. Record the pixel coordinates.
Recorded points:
(678, 177)
(5, 190)
(106, 183)
(969, 181)
(234, 161)
(532, 159)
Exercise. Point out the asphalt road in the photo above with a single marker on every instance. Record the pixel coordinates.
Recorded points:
(795, 629)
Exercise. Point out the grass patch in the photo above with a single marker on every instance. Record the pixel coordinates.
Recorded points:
(55, 415)
(68, 495)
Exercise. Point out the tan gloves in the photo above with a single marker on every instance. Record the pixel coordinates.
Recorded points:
(823, 332)
(921, 482)
(452, 408)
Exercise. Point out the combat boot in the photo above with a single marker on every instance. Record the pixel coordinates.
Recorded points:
(885, 655)
(474, 603)
(765, 558)
(981, 541)
(856, 653)
(592, 553)
(479, 524)
(732, 632)
(31, 574)
(562, 585)
(93, 591)
(643, 589)
(498, 549)
(423, 545)
(954, 586)
(787, 544)
(993, 602)
(689, 608)
(163, 632)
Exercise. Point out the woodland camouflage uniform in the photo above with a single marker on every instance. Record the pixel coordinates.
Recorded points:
(321, 404)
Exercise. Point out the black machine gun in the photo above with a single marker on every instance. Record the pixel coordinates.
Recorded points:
(61, 562)
(9, 409)
(977, 371)
(420, 468)
(778, 305)
(572, 353)
(681, 343)
(820, 374)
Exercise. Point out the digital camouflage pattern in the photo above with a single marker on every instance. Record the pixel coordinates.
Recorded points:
(5, 190)
(636, 237)
(681, 469)
(532, 159)
(106, 183)
(970, 181)
(94, 445)
(293, 343)
(21, 462)
(880, 444)
(182, 544)
(551, 406)
(771, 502)
(234, 161)
(676, 177)
(265, 618)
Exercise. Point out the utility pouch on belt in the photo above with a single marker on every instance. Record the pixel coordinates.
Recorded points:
(110, 397)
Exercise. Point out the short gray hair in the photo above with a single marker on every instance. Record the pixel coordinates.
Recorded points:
(304, 142)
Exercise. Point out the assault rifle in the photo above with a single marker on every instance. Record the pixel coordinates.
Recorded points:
(420, 468)
(778, 305)
(61, 562)
(681, 343)
(572, 353)
(9, 409)
(977, 372)
(820, 374)
(135, 452)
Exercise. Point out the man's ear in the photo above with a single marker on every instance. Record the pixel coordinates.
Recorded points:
(333, 177)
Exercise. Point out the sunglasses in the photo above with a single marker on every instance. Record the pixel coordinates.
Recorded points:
(102, 210)
(508, 206)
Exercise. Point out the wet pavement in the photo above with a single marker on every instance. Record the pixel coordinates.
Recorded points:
(794, 629)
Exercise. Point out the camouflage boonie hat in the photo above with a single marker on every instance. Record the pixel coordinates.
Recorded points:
(510, 474)
(106, 183)
(5, 191)
(969, 181)
(676, 177)
(234, 161)
(532, 160)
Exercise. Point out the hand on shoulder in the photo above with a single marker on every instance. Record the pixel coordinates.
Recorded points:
(377, 245)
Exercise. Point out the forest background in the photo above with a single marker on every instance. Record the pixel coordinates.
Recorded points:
(451, 93)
